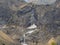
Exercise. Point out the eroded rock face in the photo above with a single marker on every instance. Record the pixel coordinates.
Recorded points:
(46, 17)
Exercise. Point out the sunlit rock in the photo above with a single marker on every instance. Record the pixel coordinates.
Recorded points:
(52, 41)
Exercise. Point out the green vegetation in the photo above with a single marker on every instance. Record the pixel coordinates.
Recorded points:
(53, 43)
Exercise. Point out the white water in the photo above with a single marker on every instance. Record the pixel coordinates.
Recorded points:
(32, 26)
(24, 44)
(41, 2)
(29, 32)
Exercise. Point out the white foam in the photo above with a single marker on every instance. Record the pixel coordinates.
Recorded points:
(24, 44)
(32, 26)
(29, 32)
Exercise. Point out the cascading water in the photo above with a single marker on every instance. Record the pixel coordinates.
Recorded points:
(24, 42)
(35, 2)
(29, 32)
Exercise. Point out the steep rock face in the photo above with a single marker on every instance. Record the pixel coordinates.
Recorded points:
(47, 18)
(26, 13)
